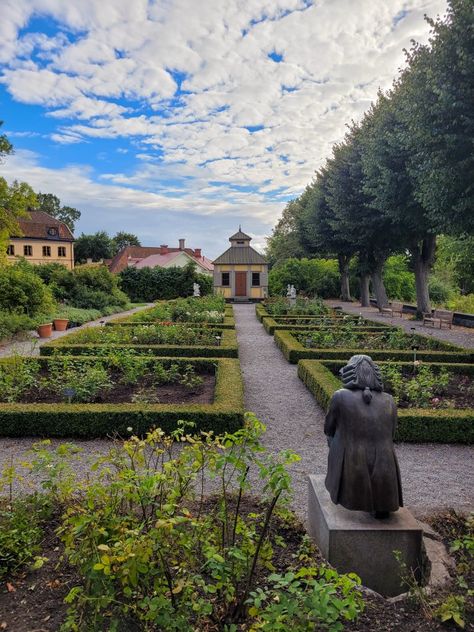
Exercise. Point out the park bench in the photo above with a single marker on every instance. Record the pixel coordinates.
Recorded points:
(439, 317)
(395, 308)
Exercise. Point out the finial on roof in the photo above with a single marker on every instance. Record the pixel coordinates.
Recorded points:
(240, 227)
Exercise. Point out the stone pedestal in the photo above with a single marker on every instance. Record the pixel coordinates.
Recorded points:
(354, 541)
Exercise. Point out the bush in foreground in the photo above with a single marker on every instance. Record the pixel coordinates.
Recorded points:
(152, 552)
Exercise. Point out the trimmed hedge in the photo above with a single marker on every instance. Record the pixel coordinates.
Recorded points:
(417, 425)
(225, 414)
(229, 320)
(271, 325)
(295, 351)
(227, 349)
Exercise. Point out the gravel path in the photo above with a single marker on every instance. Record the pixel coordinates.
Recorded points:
(433, 475)
(32, 345)
(462, 336)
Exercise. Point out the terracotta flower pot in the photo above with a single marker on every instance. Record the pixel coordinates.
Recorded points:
(60, 324)
(45, 331)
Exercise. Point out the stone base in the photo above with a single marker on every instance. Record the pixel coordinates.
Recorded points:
(354, 541)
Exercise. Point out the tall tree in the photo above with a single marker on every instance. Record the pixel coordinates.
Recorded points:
(6, 147)
(15, 200)
(284, 241)
(51, 204)
(123, 239)
(320, 231)
(96, 247)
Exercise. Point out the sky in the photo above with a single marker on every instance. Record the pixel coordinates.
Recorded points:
(183, 119)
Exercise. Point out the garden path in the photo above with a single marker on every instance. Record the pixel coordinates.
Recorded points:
(433, 475)
(462, 336)
(31, 345)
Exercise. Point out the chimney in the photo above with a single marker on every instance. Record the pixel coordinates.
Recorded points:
(181, 244)
(197, 253)
(164, 249)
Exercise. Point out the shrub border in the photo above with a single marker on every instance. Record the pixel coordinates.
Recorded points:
(225, 414)
(229, 320)
(417, 425)
(270, 325)
(227, 349)
(294, 351)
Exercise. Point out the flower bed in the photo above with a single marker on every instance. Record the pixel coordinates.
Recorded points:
(434, 424)
(437, 351)
(209, 310)
(86, 404)
(161, 340)
(306, 323)
(153, 315)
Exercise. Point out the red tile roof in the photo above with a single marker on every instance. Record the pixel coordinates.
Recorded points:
(38, 225)
(137, 254)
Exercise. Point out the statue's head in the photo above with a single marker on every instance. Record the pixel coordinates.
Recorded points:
(361, 372)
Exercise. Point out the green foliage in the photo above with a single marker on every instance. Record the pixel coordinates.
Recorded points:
(152, 284)
(21, 532)
(15, 201)
(122, 239)
(6, 147)
(284, 242)
(440, 291)
(464, 304)
(102, 420)
(151, 551)
(51, 204)
(96, 247)
(399, 280)
(23, 292)
(417, 389)
(313, 277)
(414, 425)
(17, 376)
(12, 324)
(302, 307)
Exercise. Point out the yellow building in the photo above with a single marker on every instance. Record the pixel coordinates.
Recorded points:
(241, 273)
(44, 240)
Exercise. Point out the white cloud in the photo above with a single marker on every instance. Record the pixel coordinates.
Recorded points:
(114, 67)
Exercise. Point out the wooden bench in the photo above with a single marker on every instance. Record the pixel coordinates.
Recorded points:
(395, 308)
(439, 317)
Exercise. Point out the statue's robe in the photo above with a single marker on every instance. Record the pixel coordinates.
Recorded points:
(363, 472)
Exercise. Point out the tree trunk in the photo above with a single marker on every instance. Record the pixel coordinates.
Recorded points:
(364, 290)
(344, 261)
(379, 287)
(423, 259)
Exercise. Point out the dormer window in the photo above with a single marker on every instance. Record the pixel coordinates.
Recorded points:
(240, 243)
(52, 231)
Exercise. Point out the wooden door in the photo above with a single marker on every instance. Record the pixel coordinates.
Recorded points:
(241, 284)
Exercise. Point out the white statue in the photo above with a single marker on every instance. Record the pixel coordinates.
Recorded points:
(292, 292)
(288, 290)
(196, 289)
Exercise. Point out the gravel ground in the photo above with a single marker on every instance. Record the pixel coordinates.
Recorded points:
(433, 475)
(462, 336)
(31, 345)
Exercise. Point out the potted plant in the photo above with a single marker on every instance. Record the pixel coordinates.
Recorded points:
(45, 330)
(60, 324)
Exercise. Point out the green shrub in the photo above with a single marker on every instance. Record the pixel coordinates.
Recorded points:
(313, 277)
(151, 551)
(414, 425)
(440, 291)
(12, 324)
(152, 284)
(97, 288)
(464, 304)
(23, 292)
(398, 279)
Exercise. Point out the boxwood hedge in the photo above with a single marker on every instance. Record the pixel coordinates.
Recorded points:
(227, 348)
(419, 425)
(271, 325)
(295, 351)
(226, 413)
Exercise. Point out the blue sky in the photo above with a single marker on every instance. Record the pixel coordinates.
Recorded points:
(172, 118)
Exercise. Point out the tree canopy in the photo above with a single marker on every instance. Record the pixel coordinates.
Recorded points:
(50, 203)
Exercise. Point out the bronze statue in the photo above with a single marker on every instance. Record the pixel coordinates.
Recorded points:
(363, 472)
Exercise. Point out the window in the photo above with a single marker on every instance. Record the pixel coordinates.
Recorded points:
(11, 250)
(255, 278)
(240, 243)
(226, 279)
(46, 251)
(52, 231)
(61, 251)
(28, 251)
